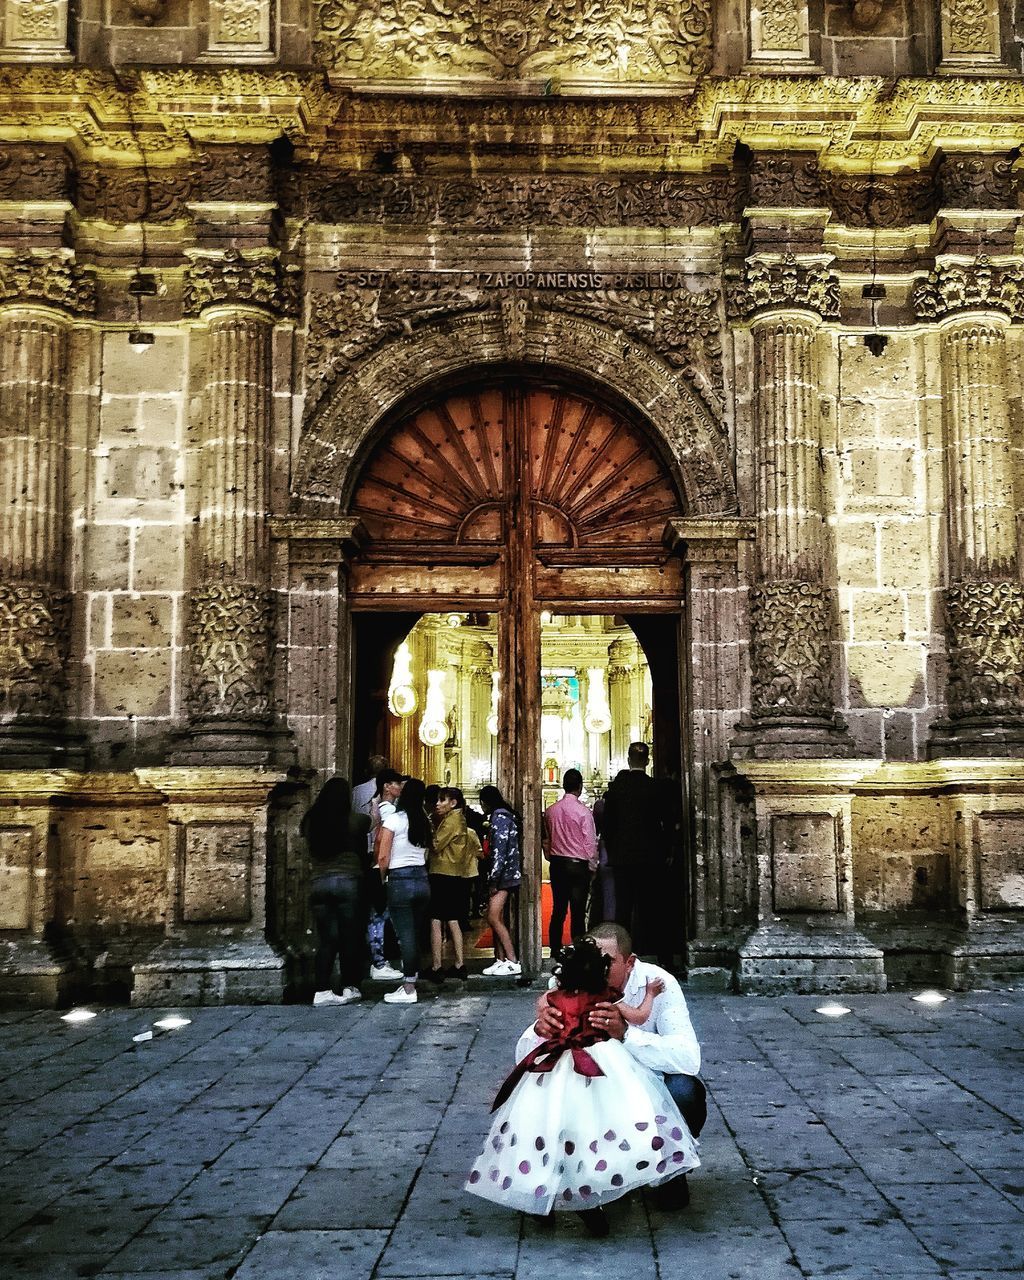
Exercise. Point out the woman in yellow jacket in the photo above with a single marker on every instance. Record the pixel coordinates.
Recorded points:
(453, 868)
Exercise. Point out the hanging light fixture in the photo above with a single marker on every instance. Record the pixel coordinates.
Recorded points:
(434, 726)
(143, 284)
(492, 719)
(599, 717)
(401, 694)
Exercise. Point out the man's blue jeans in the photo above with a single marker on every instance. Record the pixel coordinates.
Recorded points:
(691, 1098)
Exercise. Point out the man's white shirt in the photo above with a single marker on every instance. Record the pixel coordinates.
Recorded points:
(666, 1042)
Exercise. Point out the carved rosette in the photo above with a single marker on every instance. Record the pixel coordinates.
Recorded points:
(786, 284)
(255, 279)
(985, 627)
(979, 285)
(34, 629)
(49, 279)
(230, 643)
(792, 650)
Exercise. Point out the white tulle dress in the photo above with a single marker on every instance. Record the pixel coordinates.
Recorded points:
(568, 1138)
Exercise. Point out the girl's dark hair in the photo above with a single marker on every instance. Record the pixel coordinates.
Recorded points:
(491, 800)
(452, 793)
(411, 802)
(583, 967)
(385, 776)
(328, 814)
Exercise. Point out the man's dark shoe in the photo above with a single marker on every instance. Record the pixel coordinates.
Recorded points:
(595, 1222)
(436, 976)
(457, 971)
(671, 1195)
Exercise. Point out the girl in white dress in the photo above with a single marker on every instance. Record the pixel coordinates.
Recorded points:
(580, 1122)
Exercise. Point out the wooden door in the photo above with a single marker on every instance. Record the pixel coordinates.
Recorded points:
(512, 497)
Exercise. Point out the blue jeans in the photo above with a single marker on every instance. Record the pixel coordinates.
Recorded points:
(408, 904)
(690, 1096)
(339, 910)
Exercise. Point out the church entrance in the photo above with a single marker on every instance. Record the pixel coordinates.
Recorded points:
(518, 513)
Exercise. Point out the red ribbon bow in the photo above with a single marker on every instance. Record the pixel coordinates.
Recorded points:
(543, 1059)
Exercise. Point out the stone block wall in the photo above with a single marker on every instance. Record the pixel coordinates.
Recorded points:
(888, 510)
(133, 553)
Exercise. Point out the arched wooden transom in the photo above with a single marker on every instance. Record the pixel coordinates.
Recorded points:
(460, 471)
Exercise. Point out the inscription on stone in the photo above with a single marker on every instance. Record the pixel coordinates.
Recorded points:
(216, 874)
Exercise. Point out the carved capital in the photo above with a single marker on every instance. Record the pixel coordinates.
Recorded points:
(235, 279)
(230, 642)
(791, 650)
(34, 629)
(786, 284)
(50, 279)
(985, 629)
(970, 286)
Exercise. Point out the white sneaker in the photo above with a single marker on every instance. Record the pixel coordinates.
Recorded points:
(327, 997)
(401, 996)
(350, 994)
(513, 969)
(497, 970)
(385, 973)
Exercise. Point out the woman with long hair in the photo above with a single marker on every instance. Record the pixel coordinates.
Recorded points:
(402, 858)
(504, 878)
(453, 867)
(337, 841)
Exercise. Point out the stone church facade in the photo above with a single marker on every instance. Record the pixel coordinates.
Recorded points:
(244, 242)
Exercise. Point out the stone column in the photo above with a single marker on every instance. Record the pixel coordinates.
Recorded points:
(792, 603)
(38, 293)
(230, 638)
(974, 302)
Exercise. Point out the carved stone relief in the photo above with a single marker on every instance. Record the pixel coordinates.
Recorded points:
(36, 26)
(605, 40)
(33, 172)
(970, 29)
(972, 286)
(53, 279)
(985, 625)
(240, 27)
(977, 182)
(34, 624)
(791, 650)
(785, 284)
(121, 196)
(230, 641)
(253, 279)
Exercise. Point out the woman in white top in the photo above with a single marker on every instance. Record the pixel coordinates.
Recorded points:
(402, 859)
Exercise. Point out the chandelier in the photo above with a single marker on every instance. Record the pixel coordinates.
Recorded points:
(433, 729)
(401, 694)
(598, 718)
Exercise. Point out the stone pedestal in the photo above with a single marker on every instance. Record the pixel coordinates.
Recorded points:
(806, 938)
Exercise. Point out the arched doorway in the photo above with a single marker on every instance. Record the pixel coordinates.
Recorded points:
(514, 495)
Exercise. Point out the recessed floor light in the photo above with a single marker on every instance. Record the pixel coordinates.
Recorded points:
(833, 1010)
(77, 1015)
(930, 997)
(172, 1022)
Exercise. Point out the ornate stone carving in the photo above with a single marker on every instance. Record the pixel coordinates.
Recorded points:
(52, 279)
(977, 182)
(36, 23)
(34, 172)
(781, 28)
(985, 625)
(970, 286)
(239, 25)
(785, 181)
(120, 196)
(607, 40)
(240, 174)
(253, 279)
(791, 650)
(786, 284)
(230, 642)
(34, 628)
(970, 26)
(870, 200)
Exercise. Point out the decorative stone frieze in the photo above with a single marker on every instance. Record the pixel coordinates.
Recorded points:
(120, 196)
(229, 172)
(792, 650)
(985, 624)
(34, 631)
(256, 279)
(972, 181)
(785, 284)
(34, 172)
(49, 279)
(980, 285)
(230, 641)
(609, 40)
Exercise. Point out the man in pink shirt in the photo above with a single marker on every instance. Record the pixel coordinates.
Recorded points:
(570, 846)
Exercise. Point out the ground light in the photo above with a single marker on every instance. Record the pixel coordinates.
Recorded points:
(172, 1022)
(77, 1015)
(930, 997)
(833, 1010)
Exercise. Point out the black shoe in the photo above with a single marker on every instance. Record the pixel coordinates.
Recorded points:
(457, 971)
(436, 976)
(595, 1222)
(671, 1195)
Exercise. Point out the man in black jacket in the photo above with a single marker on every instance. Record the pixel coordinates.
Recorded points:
(636, 828)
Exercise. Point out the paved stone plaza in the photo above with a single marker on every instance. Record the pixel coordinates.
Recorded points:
(266, 1143)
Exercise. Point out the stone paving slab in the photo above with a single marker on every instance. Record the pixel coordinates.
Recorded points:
(281, 1143)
